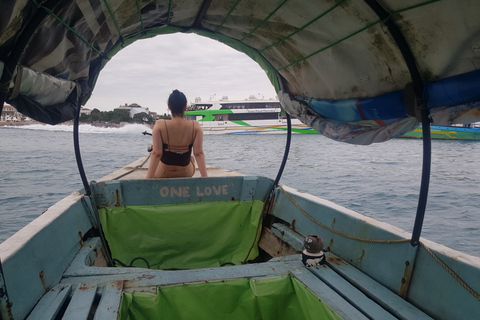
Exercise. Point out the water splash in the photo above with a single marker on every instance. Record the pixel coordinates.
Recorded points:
(88, 128)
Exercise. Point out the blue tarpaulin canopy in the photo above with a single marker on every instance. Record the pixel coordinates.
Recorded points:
(340, 66)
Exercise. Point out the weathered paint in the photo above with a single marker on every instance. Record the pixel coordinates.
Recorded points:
(110, 301)
(348, 292)
(275, 246)
(50, 305)
(51, 241)
(41, 275)
(81, 302)
(405, 281)
(427, 284)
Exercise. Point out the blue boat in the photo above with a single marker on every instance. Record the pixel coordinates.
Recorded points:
(470, 132)
(235, 246)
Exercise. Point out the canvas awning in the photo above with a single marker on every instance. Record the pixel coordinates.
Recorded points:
(339, 66)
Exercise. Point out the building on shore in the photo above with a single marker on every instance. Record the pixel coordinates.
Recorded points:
(85, 111)
(133, 109)
(10, 114)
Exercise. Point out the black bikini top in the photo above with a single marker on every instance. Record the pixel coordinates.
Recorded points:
(176, 155)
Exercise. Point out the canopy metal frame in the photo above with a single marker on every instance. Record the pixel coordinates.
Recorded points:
(48, 8)
(420, 103)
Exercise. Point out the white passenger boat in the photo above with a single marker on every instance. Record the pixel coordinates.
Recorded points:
(243, 116)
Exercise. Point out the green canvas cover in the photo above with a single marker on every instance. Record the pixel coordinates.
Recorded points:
(184, 236)
(245, 298)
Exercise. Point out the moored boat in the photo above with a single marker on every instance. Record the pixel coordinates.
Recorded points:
(447, 133)
(244, 116)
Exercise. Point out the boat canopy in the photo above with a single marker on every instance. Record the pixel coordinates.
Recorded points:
(347, 68)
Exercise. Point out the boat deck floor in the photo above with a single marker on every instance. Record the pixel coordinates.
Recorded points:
(88, 291)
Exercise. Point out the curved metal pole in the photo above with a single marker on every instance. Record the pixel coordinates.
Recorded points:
(76, 144)
(402, 45)
(286, 152)
(422, 200)
(284, 160)
(418, 87)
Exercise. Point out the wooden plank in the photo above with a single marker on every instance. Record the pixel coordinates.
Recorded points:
(274, 246)
(288, 235)
(137, 277)
(342, 307)
(81, 302)
(371, 288)
(392, 302)
(35, 258)
(51, 303)
(355, 297)
(110, 301)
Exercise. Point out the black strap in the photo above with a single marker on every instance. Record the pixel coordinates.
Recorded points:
(166, 130)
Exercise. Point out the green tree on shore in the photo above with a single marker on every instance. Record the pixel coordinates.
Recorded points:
(115, 116)
(118, 116)
(143, 117)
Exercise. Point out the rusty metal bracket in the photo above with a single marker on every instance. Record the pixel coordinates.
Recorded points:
(412, 107)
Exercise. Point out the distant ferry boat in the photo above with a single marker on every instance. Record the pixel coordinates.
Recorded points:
(249, 116)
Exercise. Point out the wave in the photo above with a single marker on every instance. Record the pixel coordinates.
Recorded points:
(87, 128)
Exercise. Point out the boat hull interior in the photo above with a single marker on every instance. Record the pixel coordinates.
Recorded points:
(371, 269)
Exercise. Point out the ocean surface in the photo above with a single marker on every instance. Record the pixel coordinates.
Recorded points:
(38, 168)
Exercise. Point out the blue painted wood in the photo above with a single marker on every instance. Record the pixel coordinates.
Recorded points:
(433, 289)
(374, 290)
(369, 257)
(81, 302)
(110, 301)
(355, 297)
(248, 189)
(288, 235)
(139, 277)
(36, 256)
(342, 307)
(4, 300)
(51, 303)
(363, 285)
(429, 276)
(158, 192)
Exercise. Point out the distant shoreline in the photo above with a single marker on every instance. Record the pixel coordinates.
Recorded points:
(95, 124)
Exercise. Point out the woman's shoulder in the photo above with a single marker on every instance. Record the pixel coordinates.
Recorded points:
(160, 123)
(196, 124)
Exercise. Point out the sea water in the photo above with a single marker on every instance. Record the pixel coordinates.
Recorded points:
(382, 181)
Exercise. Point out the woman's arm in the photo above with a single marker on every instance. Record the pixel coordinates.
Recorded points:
(157, 151)
(198, 150)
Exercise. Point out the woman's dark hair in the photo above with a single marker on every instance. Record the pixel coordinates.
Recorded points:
(177, 101)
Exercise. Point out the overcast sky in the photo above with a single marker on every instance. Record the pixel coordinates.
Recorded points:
(147, 71)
